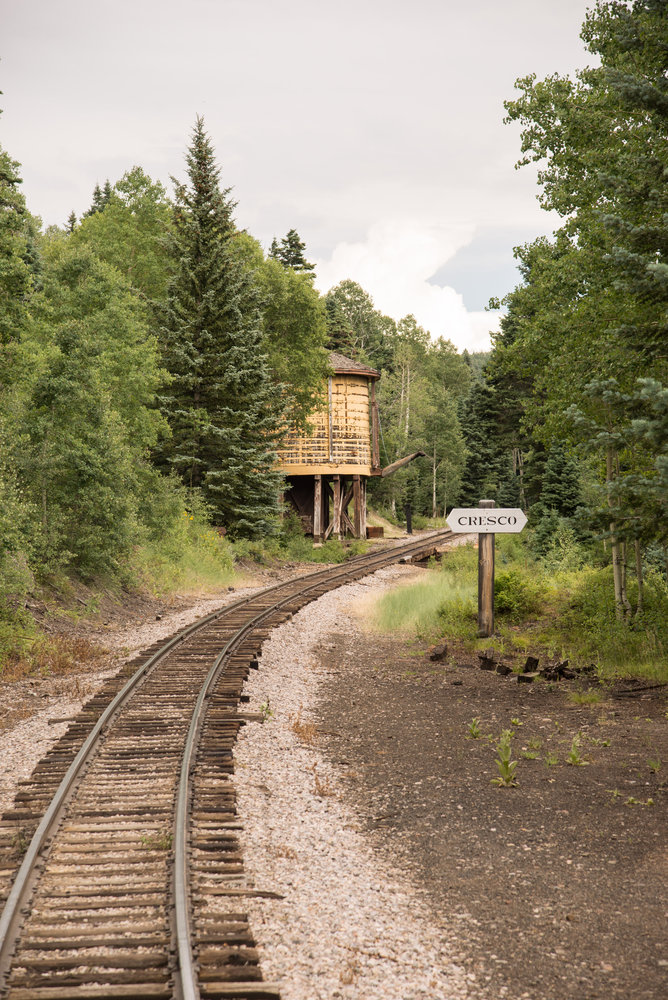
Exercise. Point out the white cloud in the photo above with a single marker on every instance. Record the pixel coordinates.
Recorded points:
(394, 264)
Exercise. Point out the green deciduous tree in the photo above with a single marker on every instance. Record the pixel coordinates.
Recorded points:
(594, 300)
(131, 232)
(368, 338)
(84, 419)
(294, 329)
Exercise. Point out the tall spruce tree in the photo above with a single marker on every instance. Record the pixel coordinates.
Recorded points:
(223, 409)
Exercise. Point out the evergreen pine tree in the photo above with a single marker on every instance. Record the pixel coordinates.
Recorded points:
(561, 482)
(223, 409)
(489, 472)
(290, 252)
(101, 198)
(339, 334)
(71, 222)
(15, 276)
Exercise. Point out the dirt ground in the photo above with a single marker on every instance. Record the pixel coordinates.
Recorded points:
(564, 876)
(98, 632)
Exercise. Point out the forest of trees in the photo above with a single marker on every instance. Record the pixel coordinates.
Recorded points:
(152, 353)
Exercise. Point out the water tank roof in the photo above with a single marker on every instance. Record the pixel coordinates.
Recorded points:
(346, 366)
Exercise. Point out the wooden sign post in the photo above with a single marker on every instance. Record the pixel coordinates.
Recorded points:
(486, 519)
(486, 579)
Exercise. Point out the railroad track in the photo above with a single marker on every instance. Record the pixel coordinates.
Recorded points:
(122, 848)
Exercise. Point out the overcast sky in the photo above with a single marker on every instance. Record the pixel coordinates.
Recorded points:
(374, 128)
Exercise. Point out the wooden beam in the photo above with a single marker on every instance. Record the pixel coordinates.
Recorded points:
(375, 451)
(317, 508)
(362, 506)
(357, 510)
(330, 417)
(347, 524)
(325, 504)
(336, 517)
(399, 464)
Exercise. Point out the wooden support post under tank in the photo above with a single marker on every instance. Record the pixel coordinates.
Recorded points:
(337, 505)
(325, 507)
(317, 508)
(357, 499)
(362, 506)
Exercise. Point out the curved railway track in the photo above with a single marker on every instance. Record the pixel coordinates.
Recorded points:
(130, 876)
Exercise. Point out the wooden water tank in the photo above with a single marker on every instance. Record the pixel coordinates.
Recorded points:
(332, 459)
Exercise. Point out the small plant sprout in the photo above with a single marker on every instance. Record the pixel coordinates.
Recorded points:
(321, 786)
(161, 840)
(20, 842)
(631, 801)
(551, 759)
(615, 792)
(654, 765)
(574, 757)
(516, 722)
(504, 763)
(474, 732)
(266, 711)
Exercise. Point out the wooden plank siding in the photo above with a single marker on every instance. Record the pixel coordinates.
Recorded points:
(339, 441)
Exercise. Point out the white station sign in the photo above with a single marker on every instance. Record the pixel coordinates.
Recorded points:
(486, 520)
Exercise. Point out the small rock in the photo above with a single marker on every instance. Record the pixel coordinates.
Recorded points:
(158, 617)
(439, 653)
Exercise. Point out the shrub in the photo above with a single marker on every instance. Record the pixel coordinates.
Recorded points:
(516, 593)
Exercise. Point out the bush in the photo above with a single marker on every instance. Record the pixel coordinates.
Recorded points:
(590, 626)
(189, 554)
(460, 557)
(516, 593)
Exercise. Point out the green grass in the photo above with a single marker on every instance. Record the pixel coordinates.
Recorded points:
(417, 608)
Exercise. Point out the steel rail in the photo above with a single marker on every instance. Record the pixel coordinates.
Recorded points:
(11, 912)
(186, 974)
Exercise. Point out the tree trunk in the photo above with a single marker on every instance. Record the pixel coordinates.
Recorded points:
(434, 512)
(408, 397)
(518, 468)
(641, 583)
(614, 545)
(628, 610)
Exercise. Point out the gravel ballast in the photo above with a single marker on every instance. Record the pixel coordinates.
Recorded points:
(348, 926)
